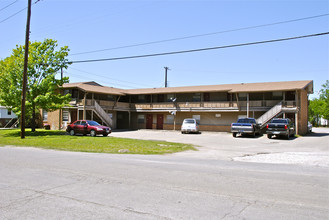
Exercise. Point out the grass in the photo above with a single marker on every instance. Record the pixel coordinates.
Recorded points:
(59, 140)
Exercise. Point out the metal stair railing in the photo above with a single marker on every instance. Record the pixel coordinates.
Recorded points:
(267, 116)
(102, 114)
(13, 125)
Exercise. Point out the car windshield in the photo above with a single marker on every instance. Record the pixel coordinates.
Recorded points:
(189, 121)
(246, 120)
(93, 123)
(279, 121)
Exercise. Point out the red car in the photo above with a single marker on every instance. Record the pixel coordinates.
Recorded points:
(87, 127)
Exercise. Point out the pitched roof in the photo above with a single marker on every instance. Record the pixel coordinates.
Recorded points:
(230, 88)
(94, 87)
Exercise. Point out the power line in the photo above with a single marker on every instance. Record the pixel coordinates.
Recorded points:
(108, 82)
(13, 15)
(8, 5)
(201, 35)
(108, 77)
(198, 50)
(16, 13)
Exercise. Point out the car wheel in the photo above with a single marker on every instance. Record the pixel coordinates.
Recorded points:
(269, 136)
(288, 136)
(93, 133)
(234, 134)
(105, 135)
(254, 134)
(72, 133)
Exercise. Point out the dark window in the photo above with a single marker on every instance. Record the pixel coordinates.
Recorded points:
(196, 97)
(74, 93)
(77, 123)
(160, 97)
(9, 112)
(140, 119)
(83, 123)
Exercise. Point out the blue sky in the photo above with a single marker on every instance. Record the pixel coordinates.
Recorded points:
(87, 26)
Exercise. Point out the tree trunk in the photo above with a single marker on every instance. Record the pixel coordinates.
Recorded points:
(33, 118)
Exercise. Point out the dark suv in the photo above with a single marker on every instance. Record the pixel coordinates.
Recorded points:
(87, 127)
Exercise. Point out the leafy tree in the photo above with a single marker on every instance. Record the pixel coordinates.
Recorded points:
(319, 108)
(315, 107)
(324, 96)
(42, 86)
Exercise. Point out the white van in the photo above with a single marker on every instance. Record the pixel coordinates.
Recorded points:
(190, 125)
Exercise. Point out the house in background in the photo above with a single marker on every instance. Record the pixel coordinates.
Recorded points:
(7, 117)
(215, 107)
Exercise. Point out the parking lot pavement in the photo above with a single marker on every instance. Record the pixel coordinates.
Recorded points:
(312, 149)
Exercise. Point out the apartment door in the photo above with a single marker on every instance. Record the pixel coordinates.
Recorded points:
(122, 120)
(74, 116)
(149, 121)
(206, 96)
(160, 98)
(290, 96)
(160, 121)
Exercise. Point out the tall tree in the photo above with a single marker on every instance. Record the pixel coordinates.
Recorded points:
(324, 96)
(45, 60)
(319, 107)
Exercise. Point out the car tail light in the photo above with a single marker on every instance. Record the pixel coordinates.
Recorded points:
(285, 127)
(267, 126)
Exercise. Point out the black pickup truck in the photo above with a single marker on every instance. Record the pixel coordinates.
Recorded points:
(280, 127)
(245, 126)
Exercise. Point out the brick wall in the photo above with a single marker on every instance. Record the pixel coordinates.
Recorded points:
(53, 120)
(303, 113)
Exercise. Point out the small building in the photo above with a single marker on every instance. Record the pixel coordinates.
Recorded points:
(7, 117)
(215, 107)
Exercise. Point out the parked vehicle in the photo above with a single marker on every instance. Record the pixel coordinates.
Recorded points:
(190, 125)
(245, 126)
(87, 127)
(309, 127)
(280, 127)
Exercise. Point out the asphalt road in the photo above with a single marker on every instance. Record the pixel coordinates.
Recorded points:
(47, 184)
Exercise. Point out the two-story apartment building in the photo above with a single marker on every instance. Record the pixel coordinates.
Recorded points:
(214, 106)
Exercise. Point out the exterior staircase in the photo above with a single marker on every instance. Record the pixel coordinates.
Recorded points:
(102, 114)
(267, 116)
(12, 123)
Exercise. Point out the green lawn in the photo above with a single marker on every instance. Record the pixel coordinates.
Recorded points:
(59, 140)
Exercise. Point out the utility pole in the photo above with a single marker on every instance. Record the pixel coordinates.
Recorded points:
(27, 35)
(166, 70)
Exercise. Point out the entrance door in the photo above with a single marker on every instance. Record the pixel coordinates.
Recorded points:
(73, 116)
(122, 120)
(149, 121)
(160, 98)
(160, 121)
(206, 96)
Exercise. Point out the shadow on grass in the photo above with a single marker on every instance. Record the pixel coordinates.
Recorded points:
(38, 133)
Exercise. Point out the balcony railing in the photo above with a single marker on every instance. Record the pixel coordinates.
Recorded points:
(102, 103)
(267, 103)
(184, 105)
